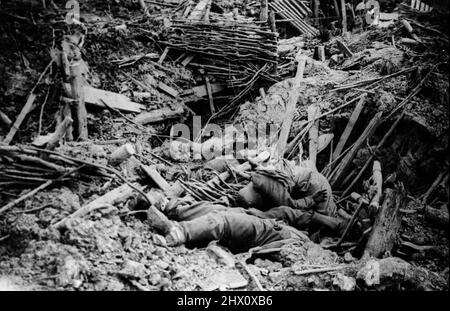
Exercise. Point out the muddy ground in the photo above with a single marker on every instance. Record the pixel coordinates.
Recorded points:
(114, 249)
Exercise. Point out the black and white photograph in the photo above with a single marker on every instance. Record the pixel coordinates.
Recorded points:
(224, 151)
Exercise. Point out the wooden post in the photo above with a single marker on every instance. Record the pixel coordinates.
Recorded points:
(336, 8)
(386, 226)
(209, 91)
(313, 112)
(264, 11)
(321, 53)
(290, 107)
(344, 17)
(76, 83)
(273, 27)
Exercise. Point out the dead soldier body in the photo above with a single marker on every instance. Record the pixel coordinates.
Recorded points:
(240, 229)
(288, 185)
(284, 184)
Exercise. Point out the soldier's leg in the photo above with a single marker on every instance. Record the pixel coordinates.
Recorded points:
(191, 211)
(272, 190)
(302, 220)
(238, 231)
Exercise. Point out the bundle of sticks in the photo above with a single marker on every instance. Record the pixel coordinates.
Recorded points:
(28, 165)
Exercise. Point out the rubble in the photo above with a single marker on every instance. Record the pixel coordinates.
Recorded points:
(90, 172)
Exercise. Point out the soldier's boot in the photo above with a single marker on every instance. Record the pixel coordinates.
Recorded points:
(176, 235)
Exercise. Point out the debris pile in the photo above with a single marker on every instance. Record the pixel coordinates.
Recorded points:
(348, 191)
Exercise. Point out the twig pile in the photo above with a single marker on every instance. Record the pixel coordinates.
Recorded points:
(23, 165)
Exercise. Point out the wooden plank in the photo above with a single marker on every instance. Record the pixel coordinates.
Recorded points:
(187, 60)
(290, 107)
(23, 113)
(121, 102)
(388, 16)
(163, 55)
(151, 172)
(76, 84)
(167, 89)
(386, 225)
(344, 49)
(313, 112)
(159, 115)
(344, 17)
(5, 120)
(117, 195)
(264, 11)
(348, 129)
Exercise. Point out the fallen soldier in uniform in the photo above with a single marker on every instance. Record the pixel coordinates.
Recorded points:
(284, 184)
(240, 229)
(288, 185)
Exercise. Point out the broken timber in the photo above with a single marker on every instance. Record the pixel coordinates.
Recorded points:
(290, 107)
(344, 49)
(386, 226)
(159, 115)
(121, 102)
(25, 110)
(348, 129)
(76, 84)
(342, 167)
(313, 112)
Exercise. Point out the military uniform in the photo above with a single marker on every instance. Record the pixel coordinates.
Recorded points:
(292, 187)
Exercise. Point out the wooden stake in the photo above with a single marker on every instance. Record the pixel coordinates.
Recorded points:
(76, 83)
(386, 226)
(313, 111)
(290, 107)
(23, 113)
(344, 18)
